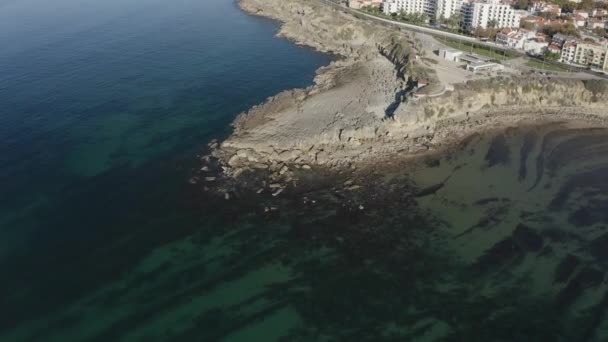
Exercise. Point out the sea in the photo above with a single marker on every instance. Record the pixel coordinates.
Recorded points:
(105, 110)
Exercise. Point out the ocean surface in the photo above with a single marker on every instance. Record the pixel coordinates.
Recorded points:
(106, 107)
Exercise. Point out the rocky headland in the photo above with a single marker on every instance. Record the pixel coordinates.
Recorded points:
(366, 107)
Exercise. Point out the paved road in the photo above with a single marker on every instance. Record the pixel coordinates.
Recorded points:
(422, 29)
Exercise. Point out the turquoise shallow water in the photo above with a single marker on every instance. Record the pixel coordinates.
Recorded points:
(102, 237)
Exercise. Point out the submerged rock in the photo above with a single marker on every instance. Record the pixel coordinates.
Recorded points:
(527, 238)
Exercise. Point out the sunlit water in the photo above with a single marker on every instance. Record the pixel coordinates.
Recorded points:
(106, 105)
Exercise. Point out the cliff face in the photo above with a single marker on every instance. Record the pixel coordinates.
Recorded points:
(534, 95)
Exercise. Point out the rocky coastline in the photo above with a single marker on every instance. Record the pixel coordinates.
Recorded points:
(364, 108)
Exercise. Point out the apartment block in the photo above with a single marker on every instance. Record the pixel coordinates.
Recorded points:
(585, 53)
(484, 13)
(433, 8)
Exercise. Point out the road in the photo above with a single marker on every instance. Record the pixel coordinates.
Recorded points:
(421, 29)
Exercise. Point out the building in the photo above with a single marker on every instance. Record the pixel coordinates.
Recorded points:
(568, 52)
(599, 12)
(514, 38)
(408, 7)
(450, 54)
(553, 48)
(448, 8)
(358, 4)
(559, 39)
(586, 53)
(486, 13)
(433, 8)
(581, 13)
(578, 21)
(594, 23)
(544, 7)
(591, 54)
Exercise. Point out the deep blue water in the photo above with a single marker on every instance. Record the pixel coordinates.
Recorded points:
(89, 86)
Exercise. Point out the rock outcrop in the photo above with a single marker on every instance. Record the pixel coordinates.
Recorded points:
(361, 108)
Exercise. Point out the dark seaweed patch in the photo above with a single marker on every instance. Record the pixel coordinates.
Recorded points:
(595, 180)
(529, 143)
(599, 247)
(565, 268)
(587, 277)
(595, 212)
(498, 255)
(527, 238)
(498, 152)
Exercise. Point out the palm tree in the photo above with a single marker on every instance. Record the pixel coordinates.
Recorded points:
(492, 23)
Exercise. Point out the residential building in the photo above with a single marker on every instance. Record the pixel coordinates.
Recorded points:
(594, 23)
(484, 13)
(599, 12)
(578, 21)
(587, 53)
(407, 6)
(592, 54)
(513, 38)
(358, 4)
(433, 8)
(553, 48)
(581, 13)
(544, 7)
(559, 39)
(448, 8)
(568, 52)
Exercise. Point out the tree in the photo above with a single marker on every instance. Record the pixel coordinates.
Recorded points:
(489, 33)
(492, 23)
(548, 15)
(586, 5)
(453, 22)
(567, 29)
(528, 26)
(522, 4)
(600, 31)
(553, 56)
(372, 9)
(568, 7)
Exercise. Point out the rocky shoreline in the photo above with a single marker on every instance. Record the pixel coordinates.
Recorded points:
(362, 111)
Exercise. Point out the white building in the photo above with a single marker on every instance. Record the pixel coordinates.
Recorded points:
(433, 8)
(405, 6)
(514, 38)
(484, 13)
(447, 8)
(568, 52)
(450, 54)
